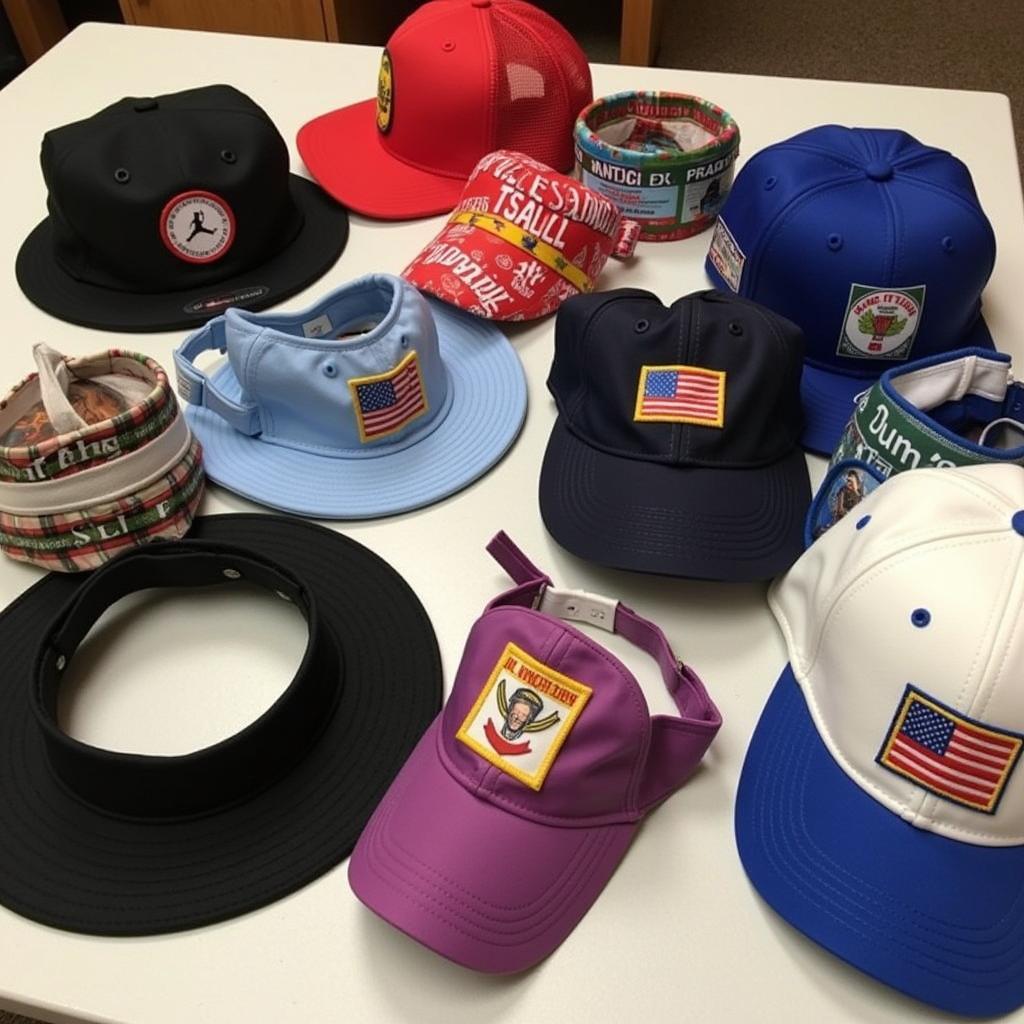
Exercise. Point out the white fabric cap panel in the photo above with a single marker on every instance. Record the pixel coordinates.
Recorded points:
(950, 381)
(922, 586)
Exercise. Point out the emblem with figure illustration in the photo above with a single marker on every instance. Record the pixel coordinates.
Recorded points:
(881, 323)
(523, 715)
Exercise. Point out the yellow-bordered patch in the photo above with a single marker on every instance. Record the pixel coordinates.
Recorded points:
(523, 715)
(385, 93)
(681, 394)
(384, 403)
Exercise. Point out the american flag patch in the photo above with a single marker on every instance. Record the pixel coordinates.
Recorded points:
(955, 757)
(681, 394)
(386, 402)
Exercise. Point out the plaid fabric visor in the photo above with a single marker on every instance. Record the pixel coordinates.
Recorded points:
(95, 458)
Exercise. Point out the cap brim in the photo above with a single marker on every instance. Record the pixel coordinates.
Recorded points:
(548, 290)
(486, 414)
(311, 254)
(942, 921)
(344, 152)
(828, 398)
(471, 881)
(704, 523)
(69, 866)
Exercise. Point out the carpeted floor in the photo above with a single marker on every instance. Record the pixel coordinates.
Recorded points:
(953, 44)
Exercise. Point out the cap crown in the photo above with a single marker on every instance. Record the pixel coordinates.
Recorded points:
(836, 222)
(520, 241)
(709, 380)
(594, 775)
(902, 624)
(127, 184)
(360, 374)
(471, 76)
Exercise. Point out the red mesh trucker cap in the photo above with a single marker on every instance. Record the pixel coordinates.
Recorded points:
(458, 79)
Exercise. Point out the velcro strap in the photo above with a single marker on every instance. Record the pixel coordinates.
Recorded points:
(677, 743)
(196, 388)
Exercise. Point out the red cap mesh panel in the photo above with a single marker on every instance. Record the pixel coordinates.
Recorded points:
(543, 82)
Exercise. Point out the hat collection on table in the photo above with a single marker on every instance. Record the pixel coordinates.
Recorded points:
(845, 320)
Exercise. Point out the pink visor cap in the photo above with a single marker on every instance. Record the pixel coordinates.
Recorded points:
(522, 797)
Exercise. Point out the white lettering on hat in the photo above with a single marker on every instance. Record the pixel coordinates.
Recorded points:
(72, 455)
(489, 292)
(537, 192)
(88, 533)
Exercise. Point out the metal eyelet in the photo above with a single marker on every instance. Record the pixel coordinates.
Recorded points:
(228, 156)
(61, 663)
(834, 242)
(770, 182)
(641, 325)
(735, 328)
(122, 175)
(330, 370)
(947, 244)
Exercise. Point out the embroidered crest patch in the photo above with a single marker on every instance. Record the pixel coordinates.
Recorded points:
(881, 323)
(385, 93)
(386, 402)
(954, 757)
(681, 394)
(523, 715)
(726, 256)
(197, 226)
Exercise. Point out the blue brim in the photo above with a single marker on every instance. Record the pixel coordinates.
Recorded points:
(486, 414)
(828, 398)
(940, 920)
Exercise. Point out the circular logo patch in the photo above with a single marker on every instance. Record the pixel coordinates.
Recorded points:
(197, 226)
(385, 93)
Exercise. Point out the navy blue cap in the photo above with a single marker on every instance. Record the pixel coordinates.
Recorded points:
(676, 449)
(870, 241)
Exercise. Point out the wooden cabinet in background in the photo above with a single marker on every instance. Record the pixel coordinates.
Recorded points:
(292, 19)
(350, 21)
(39, 24)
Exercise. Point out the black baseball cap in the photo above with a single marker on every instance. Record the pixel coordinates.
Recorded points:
(676, 445)
(164, 211)
(112, 843)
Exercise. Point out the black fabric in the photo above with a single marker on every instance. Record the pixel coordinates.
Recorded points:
(681, 499)
(99, 259)
(122, 844)
(603, 340)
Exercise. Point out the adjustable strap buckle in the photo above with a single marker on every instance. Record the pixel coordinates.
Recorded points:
(578, 606)
(196, 388)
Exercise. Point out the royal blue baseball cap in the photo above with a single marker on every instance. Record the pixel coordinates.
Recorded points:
(880, 809)
(374, 401)
(873, 243)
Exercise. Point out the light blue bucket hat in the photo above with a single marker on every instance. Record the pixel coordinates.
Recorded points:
(371, 402)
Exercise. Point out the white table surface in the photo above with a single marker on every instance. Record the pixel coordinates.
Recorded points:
(678, 934)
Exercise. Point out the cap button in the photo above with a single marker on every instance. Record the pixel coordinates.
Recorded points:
(481, 3)
(141, 106)
(1017, 522)
(879, 170)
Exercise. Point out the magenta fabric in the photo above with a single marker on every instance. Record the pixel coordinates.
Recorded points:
(487, 889)
(477, 865)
